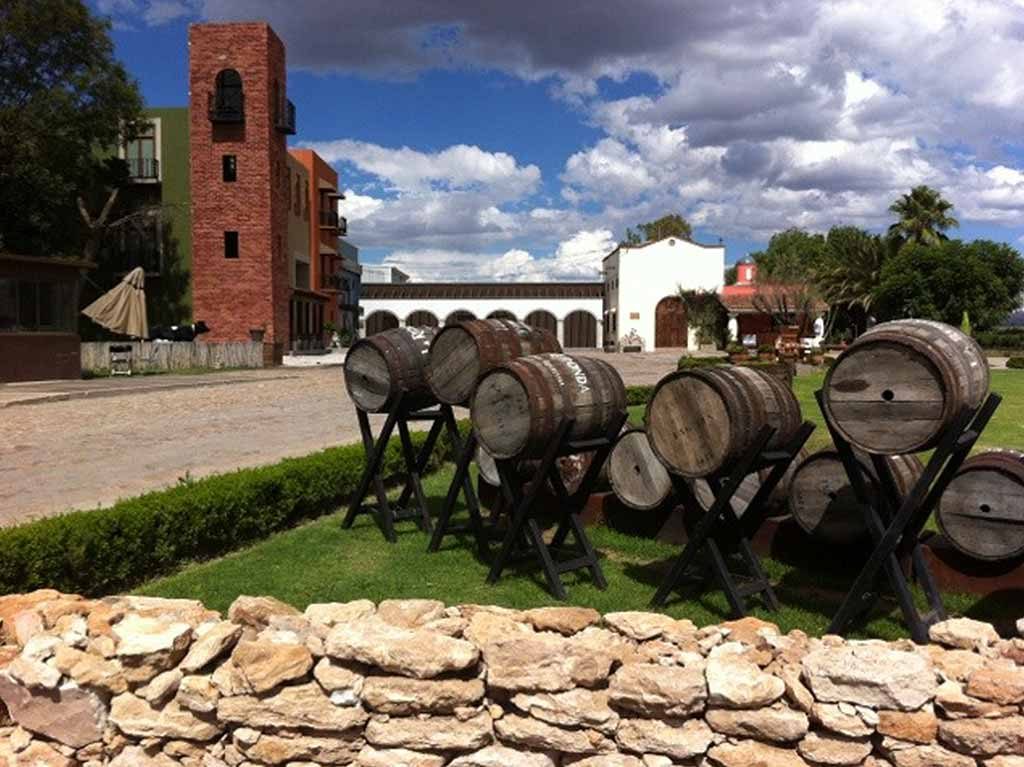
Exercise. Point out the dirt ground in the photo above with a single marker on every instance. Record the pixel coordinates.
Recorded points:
(82, 444)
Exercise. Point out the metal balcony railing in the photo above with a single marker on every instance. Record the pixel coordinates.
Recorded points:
(285, 120)
(143, 168)
(342, 226)
(226, 107)
(328, 219)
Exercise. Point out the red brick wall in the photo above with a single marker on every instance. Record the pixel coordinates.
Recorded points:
(235, 295)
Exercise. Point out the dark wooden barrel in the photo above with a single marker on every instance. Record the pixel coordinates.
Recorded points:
(822, 500)
(777, 502)
(571, 468)
(635, 474)
(517, 406)
(982, 511)
(699, 420)
(901, 384)
(380, 367)
(461, 353)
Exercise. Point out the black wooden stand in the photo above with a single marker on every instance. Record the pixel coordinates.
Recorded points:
(383, 513)
(720, 528)
(482, 531)
(896, 522)
(524, 536)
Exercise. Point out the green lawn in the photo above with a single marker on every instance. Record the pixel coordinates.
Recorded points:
(320, 562)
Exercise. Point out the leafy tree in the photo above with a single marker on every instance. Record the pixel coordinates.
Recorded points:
(64, 101)
(791, 256)
(670, 225)
(731, 275)
(849, 274)
(943, 281)
(923, 215)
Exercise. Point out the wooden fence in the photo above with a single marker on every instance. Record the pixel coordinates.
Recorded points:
(177, 355)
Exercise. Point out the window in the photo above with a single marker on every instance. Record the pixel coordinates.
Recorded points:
(230, 244)
(229, 103)
(37, 305)
(141, 153)
(229, 167)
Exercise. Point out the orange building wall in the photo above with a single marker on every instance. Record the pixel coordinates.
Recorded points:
(319, 173)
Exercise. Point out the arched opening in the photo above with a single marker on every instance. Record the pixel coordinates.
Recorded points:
(228, 101)
(421, 318)
(380, 321)
(670, 323)
(459, 315)
(543, 320)
(580, 330)
(501, 314)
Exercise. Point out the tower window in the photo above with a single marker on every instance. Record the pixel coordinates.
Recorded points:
(230, 244)
(229, 167)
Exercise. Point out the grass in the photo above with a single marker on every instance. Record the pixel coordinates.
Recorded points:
(320, 562)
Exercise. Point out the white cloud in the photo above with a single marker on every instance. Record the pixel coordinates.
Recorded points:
(357, 207)
(163, 11)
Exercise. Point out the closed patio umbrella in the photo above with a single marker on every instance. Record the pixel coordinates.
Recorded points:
(123, 309)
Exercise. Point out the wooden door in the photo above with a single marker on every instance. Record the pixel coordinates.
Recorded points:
(580, 330)
(380, 321)
(670, 323)
(543, 320)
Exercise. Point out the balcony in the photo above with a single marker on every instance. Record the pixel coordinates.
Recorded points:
(329, 219)
(228, 108)
(284, 121)
(333, 283)
(143, 168)
(342, 226)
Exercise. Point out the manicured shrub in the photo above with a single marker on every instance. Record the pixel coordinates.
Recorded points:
(687, 362)
(1017, 363)
(1002, 338)
(638, 395)
(102, 551)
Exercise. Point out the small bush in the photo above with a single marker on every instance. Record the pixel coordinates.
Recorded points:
(687, 362)
(1003, 338)
(735, 348)
(638, 395)
(1017, 363)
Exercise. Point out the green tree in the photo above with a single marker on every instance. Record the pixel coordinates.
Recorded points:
(731, 275)
(793, 255)
(942, 281)
(64, 101)
(923, 217)
(670, 225)
(849, 274)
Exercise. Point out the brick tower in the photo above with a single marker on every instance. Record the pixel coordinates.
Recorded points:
(239, 119)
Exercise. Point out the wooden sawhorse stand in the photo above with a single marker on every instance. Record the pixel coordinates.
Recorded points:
(720, 528)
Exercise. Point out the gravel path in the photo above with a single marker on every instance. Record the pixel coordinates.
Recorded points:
(116, 439)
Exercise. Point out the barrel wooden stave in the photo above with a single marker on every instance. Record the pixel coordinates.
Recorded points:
(981, 512)
(901, 384)
(380, 367)
(823, 502)
(635, 474)
(463, 352)
(700, 420)
(518, 406)
(777, 504)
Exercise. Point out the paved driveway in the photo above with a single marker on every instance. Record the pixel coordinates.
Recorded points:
(82, 444)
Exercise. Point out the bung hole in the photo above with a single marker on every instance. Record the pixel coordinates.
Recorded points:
(888, 395)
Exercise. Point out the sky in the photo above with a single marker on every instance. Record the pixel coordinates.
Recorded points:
(518, 140)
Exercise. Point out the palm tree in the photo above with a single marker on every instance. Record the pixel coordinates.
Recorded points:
(923, 217)
(851, 272)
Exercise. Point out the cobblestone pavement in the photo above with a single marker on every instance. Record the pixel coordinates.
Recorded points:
(116, 439)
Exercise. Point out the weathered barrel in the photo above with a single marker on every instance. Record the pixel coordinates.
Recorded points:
(518, 406)
(777, 500)
(380, 367)
(822, 500)
(701, 419)
(635, 474)
(899, 386)
(571, 468)
(982, 510)
(463, 352)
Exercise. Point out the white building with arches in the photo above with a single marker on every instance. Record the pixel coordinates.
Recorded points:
(571, 310)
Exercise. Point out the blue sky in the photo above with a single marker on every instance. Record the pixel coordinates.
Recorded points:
(517, 141)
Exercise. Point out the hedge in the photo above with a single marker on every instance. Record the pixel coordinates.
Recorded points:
(1005, 338)
(686, 362)
(102, 551)
(1016, 363)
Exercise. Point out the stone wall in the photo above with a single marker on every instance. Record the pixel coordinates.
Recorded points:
(141, 681)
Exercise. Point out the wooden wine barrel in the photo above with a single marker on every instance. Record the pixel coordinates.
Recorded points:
(635, 474)
(822, 500)
(380, 367)
(699, 420)
(901, 384)
(571, 468)
(518, 406)
(982, 511)
(461, 353)
(777, 502)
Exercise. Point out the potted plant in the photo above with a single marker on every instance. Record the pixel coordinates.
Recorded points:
(766, 352)
(256, 334)
(737, 353)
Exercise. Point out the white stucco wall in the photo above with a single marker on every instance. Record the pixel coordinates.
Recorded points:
(481, 307)
(647, 274)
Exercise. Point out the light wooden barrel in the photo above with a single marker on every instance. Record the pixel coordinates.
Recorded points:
(518, 406)
(382, 366)
(982, 511)
(635, 474)
(461, 353)
(822, 500)
(571, 468)
(901, 384)
(777, 502)
(699, 420)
